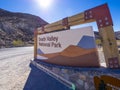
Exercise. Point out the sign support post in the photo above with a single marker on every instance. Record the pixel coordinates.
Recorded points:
(35, 44)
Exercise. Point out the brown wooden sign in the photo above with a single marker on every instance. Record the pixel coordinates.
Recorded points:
(101, 15)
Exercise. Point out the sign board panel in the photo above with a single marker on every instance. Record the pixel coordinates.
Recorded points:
(69, 48)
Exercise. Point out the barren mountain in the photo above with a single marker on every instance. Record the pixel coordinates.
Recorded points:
(117, 35)
(17, 26)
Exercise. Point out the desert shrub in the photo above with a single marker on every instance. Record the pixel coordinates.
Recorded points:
(98, 42)
(18, 43)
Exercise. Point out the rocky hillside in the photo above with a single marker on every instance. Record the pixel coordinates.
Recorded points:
(17, 26)
(117, 35)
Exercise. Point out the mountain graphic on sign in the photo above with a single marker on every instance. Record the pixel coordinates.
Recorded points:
(87, 42)
(74, 56)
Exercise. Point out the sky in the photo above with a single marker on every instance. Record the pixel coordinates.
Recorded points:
(54, 10)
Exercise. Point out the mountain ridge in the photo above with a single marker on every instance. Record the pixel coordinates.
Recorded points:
(17, 26)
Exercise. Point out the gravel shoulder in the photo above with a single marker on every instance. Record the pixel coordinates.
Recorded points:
(14, 71)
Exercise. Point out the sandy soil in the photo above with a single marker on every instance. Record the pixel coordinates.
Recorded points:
(14, 70)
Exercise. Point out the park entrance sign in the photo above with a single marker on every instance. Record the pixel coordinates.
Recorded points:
(100, 14)
(68, 48)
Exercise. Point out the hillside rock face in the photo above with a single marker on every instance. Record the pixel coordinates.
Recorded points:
(17, 26)
(117, 34)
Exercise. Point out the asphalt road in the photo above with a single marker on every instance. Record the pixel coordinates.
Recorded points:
(14, 67)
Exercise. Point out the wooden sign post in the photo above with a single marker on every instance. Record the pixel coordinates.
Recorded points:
(100, 15)
(35, 44)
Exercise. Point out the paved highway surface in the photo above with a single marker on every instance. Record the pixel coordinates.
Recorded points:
(14, 67)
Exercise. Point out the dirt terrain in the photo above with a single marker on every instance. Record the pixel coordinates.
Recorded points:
(14, 67)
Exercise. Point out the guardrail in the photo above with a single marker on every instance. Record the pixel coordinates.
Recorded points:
(57, 77)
